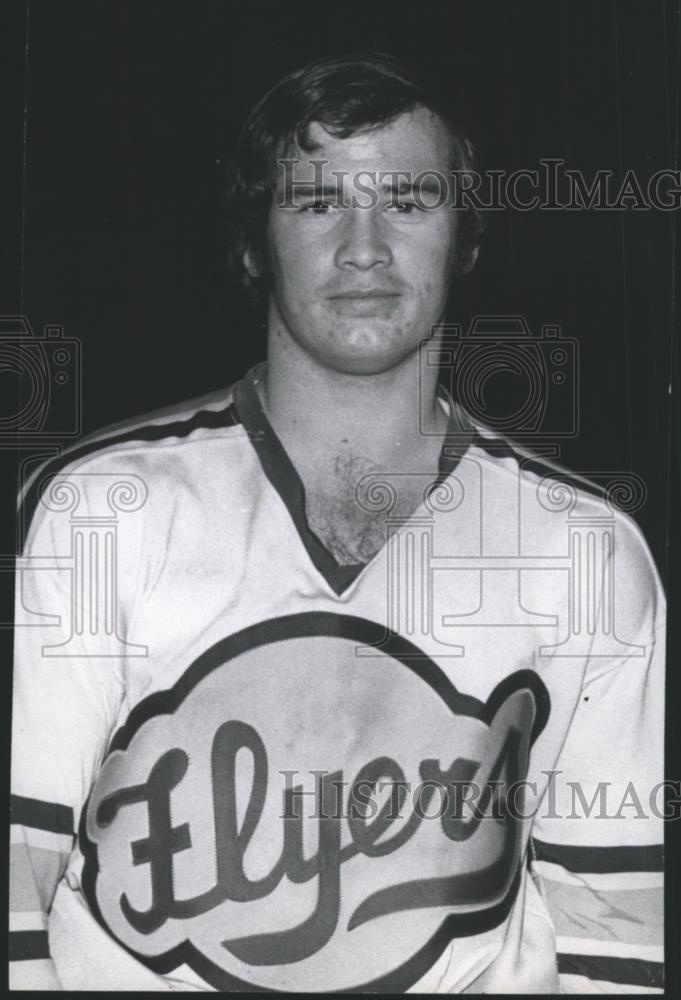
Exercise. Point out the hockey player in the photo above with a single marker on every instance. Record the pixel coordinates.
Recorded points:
(321, 685)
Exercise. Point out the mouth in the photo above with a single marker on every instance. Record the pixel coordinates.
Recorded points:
(372, 293)
(374, 302)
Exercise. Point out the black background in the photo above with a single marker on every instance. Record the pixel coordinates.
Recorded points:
(114, 191)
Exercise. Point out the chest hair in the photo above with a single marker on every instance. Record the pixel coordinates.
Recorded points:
(340, 516)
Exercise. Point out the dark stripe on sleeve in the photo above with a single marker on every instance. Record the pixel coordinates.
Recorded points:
(625, 971)
(25, 946)
(502, 448)
(40, 815)
(606, 860)
(203, 419)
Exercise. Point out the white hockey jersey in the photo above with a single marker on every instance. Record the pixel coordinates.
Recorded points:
(239, 765)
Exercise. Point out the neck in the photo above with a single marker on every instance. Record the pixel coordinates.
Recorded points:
(318, 412)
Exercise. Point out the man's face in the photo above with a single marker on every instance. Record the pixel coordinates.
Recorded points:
(357, 281)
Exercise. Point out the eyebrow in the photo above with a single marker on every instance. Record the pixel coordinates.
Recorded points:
(309, 189)
(426, 186)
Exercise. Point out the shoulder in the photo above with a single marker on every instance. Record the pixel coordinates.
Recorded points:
(137, 447)
(559, 510)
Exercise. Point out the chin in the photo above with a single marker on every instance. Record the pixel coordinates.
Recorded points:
(365, 362)
(369, 350)
(361, 366)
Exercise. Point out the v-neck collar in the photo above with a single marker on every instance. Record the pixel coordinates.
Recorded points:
(284, 477)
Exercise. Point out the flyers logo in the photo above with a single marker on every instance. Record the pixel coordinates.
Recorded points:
(239, 824)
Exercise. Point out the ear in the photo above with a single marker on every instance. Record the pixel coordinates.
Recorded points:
(469, 262)
(252, 263)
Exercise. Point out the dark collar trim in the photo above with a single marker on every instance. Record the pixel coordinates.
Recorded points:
(285, 479)
(283, 476)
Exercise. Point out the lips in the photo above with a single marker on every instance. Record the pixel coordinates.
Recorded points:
(373, 293)
(372, 302)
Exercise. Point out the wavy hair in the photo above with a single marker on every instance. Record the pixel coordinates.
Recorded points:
(346, 94)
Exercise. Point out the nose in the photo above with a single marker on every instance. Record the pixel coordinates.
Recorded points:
(363, 242)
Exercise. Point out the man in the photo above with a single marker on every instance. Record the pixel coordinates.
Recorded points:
(366, 681)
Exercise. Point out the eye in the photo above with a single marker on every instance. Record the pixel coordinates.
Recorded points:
(403, 207)
(317, 207)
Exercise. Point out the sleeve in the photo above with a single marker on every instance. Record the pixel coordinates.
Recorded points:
(597, 846)
(66, 696)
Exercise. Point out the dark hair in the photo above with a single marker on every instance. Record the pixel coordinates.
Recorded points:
(345, 94)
